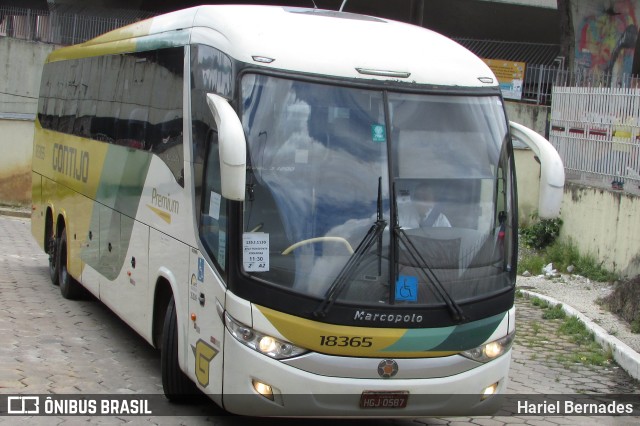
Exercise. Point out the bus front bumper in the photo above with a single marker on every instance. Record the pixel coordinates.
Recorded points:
(291, 392)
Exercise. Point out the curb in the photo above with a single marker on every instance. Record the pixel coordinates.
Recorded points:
(626, 357)
(23, 213)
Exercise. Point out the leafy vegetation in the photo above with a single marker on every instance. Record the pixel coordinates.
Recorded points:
(540, 303)
(578, 332)
(554, 312)
(539, 246)
(532, 262)
(588, 351)
(563, 255)
(540, 233)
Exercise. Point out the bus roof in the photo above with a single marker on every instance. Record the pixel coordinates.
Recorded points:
(312, 41)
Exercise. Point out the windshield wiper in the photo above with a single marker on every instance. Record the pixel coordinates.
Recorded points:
(342, 280)
(400, 236)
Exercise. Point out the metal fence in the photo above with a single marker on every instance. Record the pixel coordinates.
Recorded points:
(56, 28)
(596, 78)
(596, 131)
(536, 87)
(540, 79)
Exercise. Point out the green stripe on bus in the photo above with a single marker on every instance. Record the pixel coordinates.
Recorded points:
(454, 338)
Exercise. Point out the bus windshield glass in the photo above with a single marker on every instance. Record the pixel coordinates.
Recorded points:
(376, 196)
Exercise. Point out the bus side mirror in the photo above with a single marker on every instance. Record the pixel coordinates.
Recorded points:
(232, 146)
(551, 170)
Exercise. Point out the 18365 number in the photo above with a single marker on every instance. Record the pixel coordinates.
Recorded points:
(342, 341)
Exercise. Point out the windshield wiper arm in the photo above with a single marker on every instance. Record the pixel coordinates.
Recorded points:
(400, 236)
(454, 309)
(342, 280)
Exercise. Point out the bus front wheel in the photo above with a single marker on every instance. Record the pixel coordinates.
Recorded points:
(176, 385)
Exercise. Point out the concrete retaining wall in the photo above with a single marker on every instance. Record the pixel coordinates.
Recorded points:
(600, 222)
(20, 71)
(16, 138)
(604, 223)
(533, 116)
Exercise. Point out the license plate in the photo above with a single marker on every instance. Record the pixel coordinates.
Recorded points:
(377, 399)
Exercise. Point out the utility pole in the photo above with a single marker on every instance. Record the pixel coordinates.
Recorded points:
(417, 12)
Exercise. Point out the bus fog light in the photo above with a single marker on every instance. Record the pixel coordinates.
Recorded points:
(490, 351)
(488, 391)
(263, 389)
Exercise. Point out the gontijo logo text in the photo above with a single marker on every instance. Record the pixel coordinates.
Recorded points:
(71, 162)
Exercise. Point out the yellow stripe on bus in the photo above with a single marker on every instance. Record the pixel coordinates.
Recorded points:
(342, 340)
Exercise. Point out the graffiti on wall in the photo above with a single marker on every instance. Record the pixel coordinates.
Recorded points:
(606, 35)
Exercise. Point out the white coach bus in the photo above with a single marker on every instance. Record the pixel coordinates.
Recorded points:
(310, 213)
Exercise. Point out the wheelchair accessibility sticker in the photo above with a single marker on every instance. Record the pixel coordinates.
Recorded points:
(407, 288)
(200, 269)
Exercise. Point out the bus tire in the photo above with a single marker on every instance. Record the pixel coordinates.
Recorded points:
(52, 249)
(176, 385)
(69, 287)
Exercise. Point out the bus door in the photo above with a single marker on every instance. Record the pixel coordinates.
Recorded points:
(206, 326)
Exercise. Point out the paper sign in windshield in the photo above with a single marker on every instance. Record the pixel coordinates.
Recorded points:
(255, 251)
(214, 205)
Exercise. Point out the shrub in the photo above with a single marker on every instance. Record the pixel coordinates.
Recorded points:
(531, 263)
(625, 302)
(562, 255)
(541, 233)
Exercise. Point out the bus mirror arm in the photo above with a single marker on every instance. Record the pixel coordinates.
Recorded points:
(551, 170)
(233, 148)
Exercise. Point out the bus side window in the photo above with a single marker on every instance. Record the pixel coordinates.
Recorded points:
(211, 72)
(213, 218)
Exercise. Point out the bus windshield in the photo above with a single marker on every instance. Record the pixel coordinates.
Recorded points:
(431, 173)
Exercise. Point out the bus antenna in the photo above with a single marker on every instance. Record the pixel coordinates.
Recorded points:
(315, 6)
(344, 2)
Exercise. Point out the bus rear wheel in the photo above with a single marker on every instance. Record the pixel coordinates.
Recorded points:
(176, 385)
(69, 287)
(52, 249)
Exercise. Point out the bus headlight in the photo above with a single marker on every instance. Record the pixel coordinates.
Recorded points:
(267, 345)
(491, 350)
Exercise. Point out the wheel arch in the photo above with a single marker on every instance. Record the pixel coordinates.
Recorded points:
(48, 229)
(166, 285)
(60, 223)
(162, 295)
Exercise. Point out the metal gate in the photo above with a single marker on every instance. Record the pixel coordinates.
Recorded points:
(597, 133)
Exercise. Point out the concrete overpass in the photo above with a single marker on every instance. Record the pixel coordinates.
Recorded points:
(478, 19)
